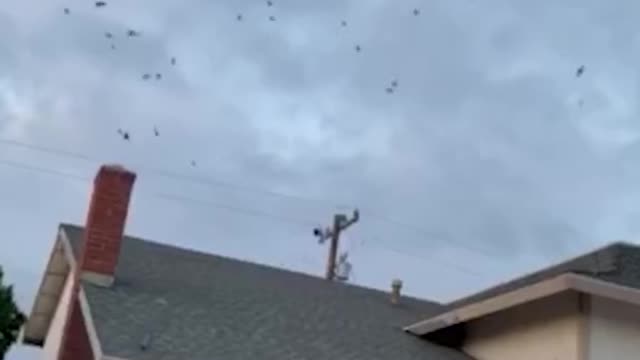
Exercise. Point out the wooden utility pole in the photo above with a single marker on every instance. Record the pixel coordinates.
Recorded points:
(340, 223)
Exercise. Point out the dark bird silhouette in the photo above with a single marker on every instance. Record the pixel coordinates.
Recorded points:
(173, 61)
(272, 18)
(124, 134)
(155, 131)
(101, 3)
(132, 33)
(389, 90)
(394, 83)
(344, 23)
(239, 17)
(193, 163)
(146, 76)
(158, 76)
(113, 46)
(108, 35)
(67, 11)
(358, 48)
(580, 71)
(416, 12)
(269, 3)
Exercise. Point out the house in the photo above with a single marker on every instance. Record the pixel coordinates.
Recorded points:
(108, 296)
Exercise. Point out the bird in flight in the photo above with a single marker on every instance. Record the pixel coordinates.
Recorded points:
(158, 76)
(344, 23)
(239, 17)
(146, 76)
(132, 33)
(173, 61)
(358, 48)
(389, 90)
(580, 71)
(67, 11)
(416, 12)
(108, 35)
(269, 3)
(272, 18)
(101, 3)
(193, 163)
(155, 131)
(394, 83)
(124, 134)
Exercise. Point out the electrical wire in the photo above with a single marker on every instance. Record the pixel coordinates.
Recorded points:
(213, 182)
(165, 196)
(242, 210)
(361, 243)
(227, 207)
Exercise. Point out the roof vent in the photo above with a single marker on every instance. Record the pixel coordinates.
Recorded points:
(396, 285)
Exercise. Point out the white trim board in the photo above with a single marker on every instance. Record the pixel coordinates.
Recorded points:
(539, 290)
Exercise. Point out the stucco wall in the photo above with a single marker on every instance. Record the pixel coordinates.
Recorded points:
(545, 329)
(52, 343)
(613, 330)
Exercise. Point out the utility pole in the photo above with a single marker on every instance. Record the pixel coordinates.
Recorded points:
(340, 223)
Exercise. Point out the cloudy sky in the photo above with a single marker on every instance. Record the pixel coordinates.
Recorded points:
(490, 158)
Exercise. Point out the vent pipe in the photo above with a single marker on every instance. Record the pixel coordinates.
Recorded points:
(396, 285)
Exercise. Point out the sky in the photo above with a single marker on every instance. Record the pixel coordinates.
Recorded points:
(490, 158)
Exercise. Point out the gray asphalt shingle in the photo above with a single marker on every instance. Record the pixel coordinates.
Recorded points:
(185, 304)
(617, 263)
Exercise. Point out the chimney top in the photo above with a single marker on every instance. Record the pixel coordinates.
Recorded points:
(115, 171)
(115, 167)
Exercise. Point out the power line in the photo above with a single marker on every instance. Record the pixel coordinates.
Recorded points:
(44, 170)
(213, 182)
(452, 264)
(231, 208)
(242, 210)
(165, 196)
(168, 174)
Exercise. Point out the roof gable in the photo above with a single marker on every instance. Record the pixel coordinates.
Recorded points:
(187, 304)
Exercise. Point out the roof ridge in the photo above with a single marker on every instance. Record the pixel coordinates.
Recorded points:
(260, 265)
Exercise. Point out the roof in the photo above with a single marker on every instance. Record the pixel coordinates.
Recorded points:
(612, 271)
(185, 304)
(618, 263)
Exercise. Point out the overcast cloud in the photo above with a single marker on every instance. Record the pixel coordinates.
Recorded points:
(480, 166)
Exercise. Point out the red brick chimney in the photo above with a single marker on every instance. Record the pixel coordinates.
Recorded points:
(105, 223)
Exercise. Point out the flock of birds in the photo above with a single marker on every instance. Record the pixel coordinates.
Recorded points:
(130, 33)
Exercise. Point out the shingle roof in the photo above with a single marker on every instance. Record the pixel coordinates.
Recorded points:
(185, 304)
(617, 263)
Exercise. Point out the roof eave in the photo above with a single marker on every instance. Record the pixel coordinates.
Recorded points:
(33, 342)
(539, 290)
(48, 296)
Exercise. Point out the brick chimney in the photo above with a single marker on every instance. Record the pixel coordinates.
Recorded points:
(105, 224)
